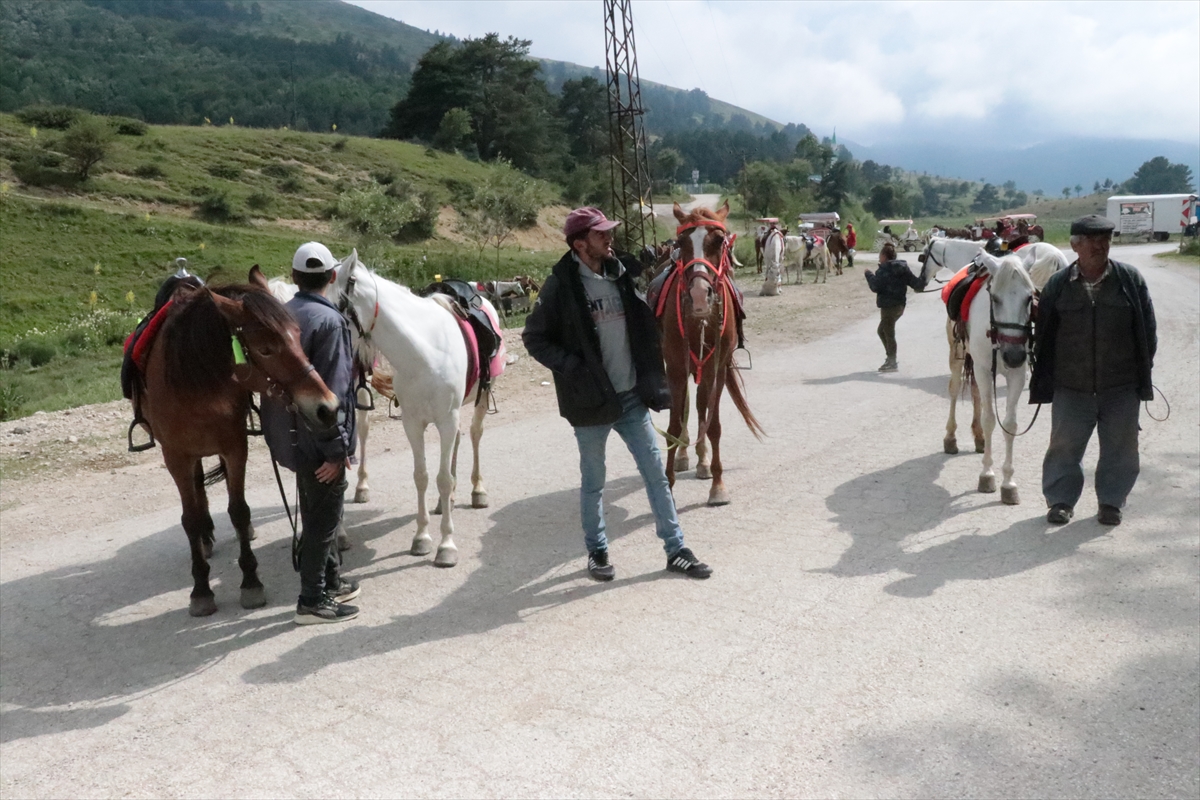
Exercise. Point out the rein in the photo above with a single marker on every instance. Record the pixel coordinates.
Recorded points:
(717, 278)
(998, 338)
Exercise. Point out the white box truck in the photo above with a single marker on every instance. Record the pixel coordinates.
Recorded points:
(1155, 216)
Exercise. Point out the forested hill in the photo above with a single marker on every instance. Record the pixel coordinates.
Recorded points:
(266, 63)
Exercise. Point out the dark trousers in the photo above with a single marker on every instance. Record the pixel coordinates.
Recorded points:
(887, 329)
(1074, 415)
(320, 514)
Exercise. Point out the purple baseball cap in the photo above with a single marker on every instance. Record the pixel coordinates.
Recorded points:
(586, 219)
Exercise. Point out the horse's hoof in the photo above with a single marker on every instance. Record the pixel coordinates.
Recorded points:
(447, 556)
(979, 445)
(718, 497)
(681, 463)
(703, 472)
(479, 500)
(438, 508)
(422, 544)
(343, 542)
(1009, 496)
(987, 483)
(362, 495)
(253, 598)
(202, 606)
(950, 446)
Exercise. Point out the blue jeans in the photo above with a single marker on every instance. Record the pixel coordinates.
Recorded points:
(636, 429)
(1074, 416)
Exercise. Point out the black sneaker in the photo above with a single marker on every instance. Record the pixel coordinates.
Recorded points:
(686, 562)
(1109, 515)
(345, 591)
(1060, 514)
(326, 610)
(598, 566)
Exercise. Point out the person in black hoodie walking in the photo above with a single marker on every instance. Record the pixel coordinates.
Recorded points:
(600, 339)
(890, 286)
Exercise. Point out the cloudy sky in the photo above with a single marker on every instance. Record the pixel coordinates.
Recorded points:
(1005, 73)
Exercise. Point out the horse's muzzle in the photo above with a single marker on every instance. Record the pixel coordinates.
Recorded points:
(1013, 355)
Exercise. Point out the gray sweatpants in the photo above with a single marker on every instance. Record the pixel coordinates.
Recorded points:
(1074, 415)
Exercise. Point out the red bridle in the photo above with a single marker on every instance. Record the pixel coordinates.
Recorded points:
(716, 276)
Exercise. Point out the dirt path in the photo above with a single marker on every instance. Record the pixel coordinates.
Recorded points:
(874, 626)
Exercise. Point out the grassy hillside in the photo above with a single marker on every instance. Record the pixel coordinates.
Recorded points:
(79, 266)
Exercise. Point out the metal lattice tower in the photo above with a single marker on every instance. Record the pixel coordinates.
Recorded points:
(630, 173)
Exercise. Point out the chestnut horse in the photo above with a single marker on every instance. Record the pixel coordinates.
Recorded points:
(213, 348)
(699, 328)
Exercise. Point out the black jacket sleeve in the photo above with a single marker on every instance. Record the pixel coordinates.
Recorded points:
(543, 330)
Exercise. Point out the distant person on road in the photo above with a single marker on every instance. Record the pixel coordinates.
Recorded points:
(851, 242)
(590, 328)
(319, 461)
(1096, 339)
(890, 286)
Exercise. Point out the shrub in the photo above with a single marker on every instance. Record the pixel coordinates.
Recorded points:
(39, 168)
(11, 400)
(229, 172)
(37, 350)
(200, 191)
(216, 207)
(1191, 247)
(384, 177)
(47, 116)
(128, 126)
(148, 171)
(290, 186)
(279, 170)
(86, 144)
(340, 144)
(259, 201)
(401, 214)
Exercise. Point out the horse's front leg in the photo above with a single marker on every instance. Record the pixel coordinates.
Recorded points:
(362, 491)
(683, 460)
(983, 375)
(1016, 384)
(253, 595)
(479, 495)
(188, 473)
(447, 552)
(422, 543)
(703, 468)
(976, 416)
(677, 380)
(717, 494)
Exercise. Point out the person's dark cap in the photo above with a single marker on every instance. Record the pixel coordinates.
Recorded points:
(1092, 225)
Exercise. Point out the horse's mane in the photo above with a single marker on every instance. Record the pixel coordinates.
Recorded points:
(199, 350)
(1010, 269)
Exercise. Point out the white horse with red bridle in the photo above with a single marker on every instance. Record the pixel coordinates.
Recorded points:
(772, 252)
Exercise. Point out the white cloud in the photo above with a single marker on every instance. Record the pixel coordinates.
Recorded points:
(1018, 73)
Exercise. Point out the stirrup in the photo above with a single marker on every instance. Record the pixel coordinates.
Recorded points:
(749, 359)
(139, 448)
(253, 425)
(358, 404)
(394, 404)
(492, 407)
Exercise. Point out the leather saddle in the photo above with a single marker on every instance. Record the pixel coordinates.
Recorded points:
(468, 302)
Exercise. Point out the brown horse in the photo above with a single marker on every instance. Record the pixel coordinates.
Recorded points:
(215, 347)
(699, 329)
(836, 244)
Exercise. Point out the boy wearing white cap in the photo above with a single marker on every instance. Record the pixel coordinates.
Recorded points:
(319, 461)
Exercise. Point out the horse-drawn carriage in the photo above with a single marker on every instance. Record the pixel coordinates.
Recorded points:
(822, 223)
(899, 233)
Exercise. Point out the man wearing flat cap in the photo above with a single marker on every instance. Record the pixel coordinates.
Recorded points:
(600, 339)
(1095, 346)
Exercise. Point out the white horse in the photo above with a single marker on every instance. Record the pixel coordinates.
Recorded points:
(772, 250)
(797, 252)
(945, 257)
(425, 344)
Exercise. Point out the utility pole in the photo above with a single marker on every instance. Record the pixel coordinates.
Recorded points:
(629, 170)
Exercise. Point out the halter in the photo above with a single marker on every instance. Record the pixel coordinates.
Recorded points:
(351, 313)
(243, 355)
(717, 278)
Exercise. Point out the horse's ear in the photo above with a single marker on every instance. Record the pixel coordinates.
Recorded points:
(678, 212)
(723, 211)
(231, 310)
(257, 278)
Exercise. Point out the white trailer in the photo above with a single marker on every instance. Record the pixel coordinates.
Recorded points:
(1155, 216)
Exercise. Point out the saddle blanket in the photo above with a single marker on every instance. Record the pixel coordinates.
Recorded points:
(137, 347)
(959, 292)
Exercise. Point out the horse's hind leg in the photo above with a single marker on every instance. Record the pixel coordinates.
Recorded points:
(198, 526)
(976, 425)
(362, 490)
(479, 495)
(1008, 487)
(950, 441)
(703, 467)
(718, 495)
(447, 552)
(253, 595)
(682, 457)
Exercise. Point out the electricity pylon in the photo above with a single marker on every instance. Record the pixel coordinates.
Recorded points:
(629, 170)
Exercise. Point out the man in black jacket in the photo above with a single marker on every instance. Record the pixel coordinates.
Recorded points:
(600, 339)
(890, 286)
(1096, 339)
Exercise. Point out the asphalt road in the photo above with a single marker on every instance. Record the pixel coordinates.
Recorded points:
(875, 627)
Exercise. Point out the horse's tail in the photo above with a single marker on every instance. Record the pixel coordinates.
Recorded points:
(733, 384)
(216, 474)
(968, 381)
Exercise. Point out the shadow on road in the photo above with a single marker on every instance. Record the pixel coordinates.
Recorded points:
(80, 645)
(886, 512)
(522, 555)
